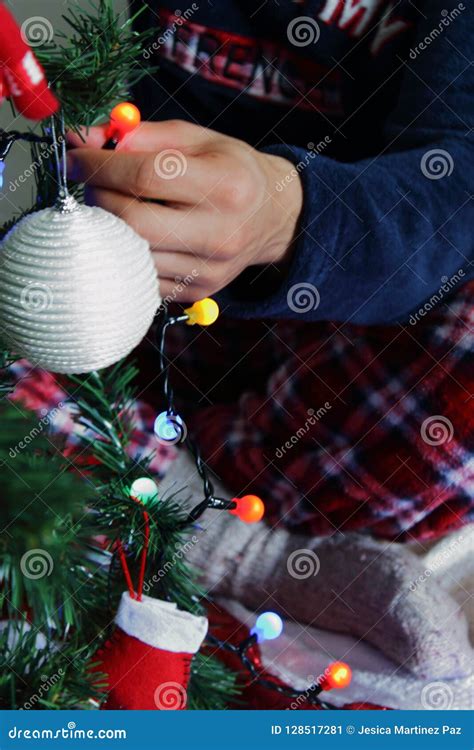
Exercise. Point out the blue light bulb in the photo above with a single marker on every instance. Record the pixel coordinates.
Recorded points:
(170, 428)
(2, 167)
(269, 625)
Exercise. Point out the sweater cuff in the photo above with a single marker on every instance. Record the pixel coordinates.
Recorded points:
(280, 292)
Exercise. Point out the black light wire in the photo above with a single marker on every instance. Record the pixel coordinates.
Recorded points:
(211, 501)
(9, 137)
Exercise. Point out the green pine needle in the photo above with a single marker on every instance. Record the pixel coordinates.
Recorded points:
(96, 65)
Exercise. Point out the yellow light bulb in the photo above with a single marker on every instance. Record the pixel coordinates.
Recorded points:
(203, 313)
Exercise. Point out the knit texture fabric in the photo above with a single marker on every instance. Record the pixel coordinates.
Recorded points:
(347, 583)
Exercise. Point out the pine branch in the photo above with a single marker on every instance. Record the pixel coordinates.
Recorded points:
(212, 685)
(7, 383)
(96, 66)
(40, 673)
(91, 71)
(49, 507)
(103, 401)
(45, 529)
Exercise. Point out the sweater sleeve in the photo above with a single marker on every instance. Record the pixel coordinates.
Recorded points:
(378, 237)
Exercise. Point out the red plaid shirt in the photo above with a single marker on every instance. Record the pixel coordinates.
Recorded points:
(335, 426)
(341, 426)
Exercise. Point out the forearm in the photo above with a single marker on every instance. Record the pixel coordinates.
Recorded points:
(375, 238)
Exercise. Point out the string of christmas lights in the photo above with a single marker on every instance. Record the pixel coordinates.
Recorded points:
(8, 138)
(336, 675)
(169, 427)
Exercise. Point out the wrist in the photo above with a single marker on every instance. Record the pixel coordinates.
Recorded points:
(285, 202)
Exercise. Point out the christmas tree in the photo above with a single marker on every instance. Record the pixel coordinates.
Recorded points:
(67, 521)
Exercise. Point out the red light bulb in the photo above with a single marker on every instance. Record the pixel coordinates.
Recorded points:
(337, 675)
(123, 119)
(249, 508)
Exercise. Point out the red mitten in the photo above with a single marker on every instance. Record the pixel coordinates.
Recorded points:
(147, 660)
(24, 76)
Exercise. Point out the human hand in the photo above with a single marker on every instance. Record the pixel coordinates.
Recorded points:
(219, 210)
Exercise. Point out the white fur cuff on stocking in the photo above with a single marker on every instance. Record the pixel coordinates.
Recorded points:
(161, 624)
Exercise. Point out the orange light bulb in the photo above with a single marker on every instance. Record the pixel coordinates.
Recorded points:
(123, 119)
(249, 508)
(337, 675)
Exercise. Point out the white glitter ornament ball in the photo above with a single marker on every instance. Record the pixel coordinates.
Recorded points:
(78, 288)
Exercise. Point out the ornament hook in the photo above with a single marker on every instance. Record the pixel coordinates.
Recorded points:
(65, 201)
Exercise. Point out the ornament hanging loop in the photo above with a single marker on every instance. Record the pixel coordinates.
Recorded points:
(65, 202)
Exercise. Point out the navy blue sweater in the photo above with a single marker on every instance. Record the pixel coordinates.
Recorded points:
(372, 100)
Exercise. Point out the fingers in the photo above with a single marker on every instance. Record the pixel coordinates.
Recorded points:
(148, 136)
(171, 177)
(164, 228)
(89, 137)
(178, 268)
(184, 277)
(170, 134)
(181, 290)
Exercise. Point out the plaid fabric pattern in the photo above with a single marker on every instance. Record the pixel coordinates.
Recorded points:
(340, 427)
(335, 426)
(48, 395)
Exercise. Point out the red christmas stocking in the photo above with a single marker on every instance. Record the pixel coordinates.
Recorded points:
(147, 661)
